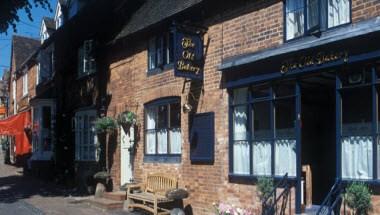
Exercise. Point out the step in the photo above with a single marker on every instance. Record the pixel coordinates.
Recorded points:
(117, 195)
(105, 204)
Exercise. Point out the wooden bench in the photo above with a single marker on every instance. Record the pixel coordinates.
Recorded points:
(151, 194)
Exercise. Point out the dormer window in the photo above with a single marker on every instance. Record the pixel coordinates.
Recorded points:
(58, 19)
(160, 51)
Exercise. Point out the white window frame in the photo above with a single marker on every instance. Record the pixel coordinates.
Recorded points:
(80, 145)
(25, 84)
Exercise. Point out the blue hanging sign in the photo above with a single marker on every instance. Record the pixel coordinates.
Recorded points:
(188, 55)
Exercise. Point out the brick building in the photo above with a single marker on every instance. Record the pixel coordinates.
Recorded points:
(266, 72)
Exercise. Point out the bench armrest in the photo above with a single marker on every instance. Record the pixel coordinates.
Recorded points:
(132, 187)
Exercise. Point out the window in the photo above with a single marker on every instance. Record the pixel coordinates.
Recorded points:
(25, 84)
(160, 51)
(38, 73)
(86, 58)
(163, 127)
(85, 137)
(43, 128)
(319, 14)
(264, 120)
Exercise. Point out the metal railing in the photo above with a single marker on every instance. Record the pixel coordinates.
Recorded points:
(332, 203)
(276, 204)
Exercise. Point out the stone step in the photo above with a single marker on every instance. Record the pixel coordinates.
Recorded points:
(117, 195)
(105, 204)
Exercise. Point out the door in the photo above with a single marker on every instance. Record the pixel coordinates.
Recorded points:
(127, 140)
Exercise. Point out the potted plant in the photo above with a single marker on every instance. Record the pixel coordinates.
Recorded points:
(127, 118)
(105, 125)
(358, 198)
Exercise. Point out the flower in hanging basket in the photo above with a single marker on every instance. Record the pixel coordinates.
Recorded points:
(127, 118)
(105, 124)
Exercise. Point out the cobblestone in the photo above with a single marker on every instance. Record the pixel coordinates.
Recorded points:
(25, 195)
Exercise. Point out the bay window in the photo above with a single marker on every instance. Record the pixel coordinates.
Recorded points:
(85, 136)
(318, 14)
(163, 127)
(263, 126)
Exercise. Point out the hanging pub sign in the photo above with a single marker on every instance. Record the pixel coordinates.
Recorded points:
(188, 54)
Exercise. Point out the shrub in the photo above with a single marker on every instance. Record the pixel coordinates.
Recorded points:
(227, 209)
(358, 197)
(264, 187)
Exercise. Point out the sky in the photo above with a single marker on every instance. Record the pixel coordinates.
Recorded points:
(24, 28)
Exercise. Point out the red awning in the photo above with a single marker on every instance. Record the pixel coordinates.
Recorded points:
(15, 126)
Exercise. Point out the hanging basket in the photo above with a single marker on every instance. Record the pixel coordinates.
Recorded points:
(127, 119)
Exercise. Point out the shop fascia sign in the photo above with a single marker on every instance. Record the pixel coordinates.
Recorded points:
(188, 52)
(313, 60)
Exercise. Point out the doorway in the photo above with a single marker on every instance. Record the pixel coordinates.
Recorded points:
(318, 132)
(127, 136)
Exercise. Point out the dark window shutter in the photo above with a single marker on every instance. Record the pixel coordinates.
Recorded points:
(313, 16)
(202, 139)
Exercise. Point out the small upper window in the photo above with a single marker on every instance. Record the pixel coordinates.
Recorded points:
(318, 14)
(25, 84)
(86, 59)
(160, 51)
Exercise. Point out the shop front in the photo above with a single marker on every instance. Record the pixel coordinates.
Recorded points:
(309, 103)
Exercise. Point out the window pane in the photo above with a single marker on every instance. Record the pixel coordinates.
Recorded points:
(285, 157)
(357, 157)
(294, 18)
(285, 118)
(338, 12)
(241, 157)
(162, 121)
(261, 120)
(175, 141)
(151, 117)
(312, 13)
(240, 119)
(175, 115)
(240, 96)
(284, 89)
(356, 111)
(262, 154)
(162, 141)
(152, 54)
(262, 92)
(150, 139)
(46, 117)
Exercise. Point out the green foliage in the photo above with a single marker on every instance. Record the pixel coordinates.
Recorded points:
(358, 197)
(9, 8)
(105, 124)
(127, 117)
(265, 186)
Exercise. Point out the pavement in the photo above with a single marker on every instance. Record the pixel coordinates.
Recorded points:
(26, 195)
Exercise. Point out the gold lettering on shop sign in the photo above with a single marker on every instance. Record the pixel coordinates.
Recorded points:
(187, 42)
(318, 59)
(183, 66)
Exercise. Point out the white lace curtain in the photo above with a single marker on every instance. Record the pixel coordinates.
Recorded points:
(357, 157)
(151, 133)
(285, 157)
(241, 145)
(262, 154)
(338, 12)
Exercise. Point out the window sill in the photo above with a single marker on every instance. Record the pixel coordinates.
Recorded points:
(244, 179)
(163, 69)
(162, 158)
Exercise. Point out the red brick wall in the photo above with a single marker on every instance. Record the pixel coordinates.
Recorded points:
(257, 26)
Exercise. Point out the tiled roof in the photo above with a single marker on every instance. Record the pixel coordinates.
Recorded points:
(154, 11)
(22, 48)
